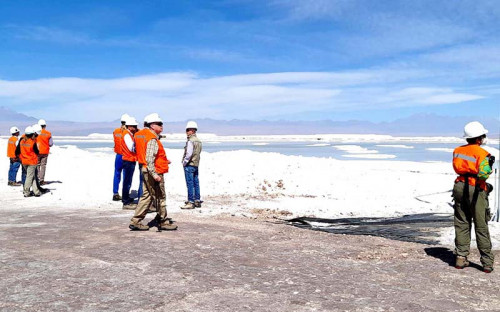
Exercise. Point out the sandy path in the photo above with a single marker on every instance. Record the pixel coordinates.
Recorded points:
(87, 260)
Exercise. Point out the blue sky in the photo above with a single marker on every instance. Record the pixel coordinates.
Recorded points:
(274, 59)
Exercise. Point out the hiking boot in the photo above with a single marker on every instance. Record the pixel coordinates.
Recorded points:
(130, 206)
(117, 197)
(461, 262)
(487, 269)
(10, 183)
(189, 205)
(197, 203)
(167, 226)
(16, 184)
(138, 227)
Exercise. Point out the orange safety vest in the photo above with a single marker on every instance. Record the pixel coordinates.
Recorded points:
(11, 147)
(43, 141)
(28, 156)
(126, 153)
(142, 138)
(466, 160)
(117, 137)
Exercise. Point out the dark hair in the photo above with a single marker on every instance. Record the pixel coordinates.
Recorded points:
(473, 140)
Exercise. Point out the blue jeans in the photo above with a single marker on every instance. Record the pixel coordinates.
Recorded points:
(118, 173)
(192, 183)
(14, 167)
(128, 173)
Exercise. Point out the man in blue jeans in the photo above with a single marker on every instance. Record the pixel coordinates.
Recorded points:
(15, 163)
(191, 161)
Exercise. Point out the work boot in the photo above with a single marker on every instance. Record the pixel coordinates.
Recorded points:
(138, 227)
(167, 226)
(10, 183)
(189, 205)
(130, 206)
(16, 184)
(117, 197)
(461, 262)
(197, 203)
(487, 269)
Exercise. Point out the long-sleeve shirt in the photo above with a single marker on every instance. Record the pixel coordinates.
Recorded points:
(129, 142)
(189, 153)
(151, 152)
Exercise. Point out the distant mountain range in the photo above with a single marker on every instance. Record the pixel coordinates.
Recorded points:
(415, 125)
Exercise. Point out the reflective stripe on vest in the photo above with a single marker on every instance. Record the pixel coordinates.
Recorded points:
(11, 147)
(28, 156)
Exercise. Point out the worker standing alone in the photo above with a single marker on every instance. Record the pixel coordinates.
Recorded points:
(470, 193)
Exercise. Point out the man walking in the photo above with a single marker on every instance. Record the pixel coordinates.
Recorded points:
(44, 141)
(117, 137)
(152, 156)
(470, 193)
(15, 163)
(27, 151)
(129, 158)
(191, 161)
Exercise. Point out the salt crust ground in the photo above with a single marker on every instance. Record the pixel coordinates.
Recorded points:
(242, 182)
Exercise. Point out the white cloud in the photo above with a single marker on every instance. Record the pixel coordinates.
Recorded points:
(256, 96)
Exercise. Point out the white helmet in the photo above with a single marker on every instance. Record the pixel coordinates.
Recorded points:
(29, 130)
(474, 129)
(14, 130)
(154, 117)
(42, 122)
(124, 117)
(131, 121)
(37, 128)
(192, 125)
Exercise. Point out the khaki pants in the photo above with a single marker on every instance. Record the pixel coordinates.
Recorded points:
(30, 180)
(152, 191)
(466, 216)
(42, 164)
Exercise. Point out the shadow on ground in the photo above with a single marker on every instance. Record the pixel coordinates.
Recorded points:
(419, 228)
(447, 256)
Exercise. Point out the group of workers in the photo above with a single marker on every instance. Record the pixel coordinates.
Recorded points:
(471, 162)
(132, 145)
(31, 151)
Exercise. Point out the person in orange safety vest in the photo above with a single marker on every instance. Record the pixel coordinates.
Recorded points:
(44, 141)
(15, 163)
(129, 159)
(27, 151)
(152, 156)
(117, 138)
(470, 193)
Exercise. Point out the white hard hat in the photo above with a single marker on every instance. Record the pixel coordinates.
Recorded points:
(131, 121)
(146, 118)
(474, 129)
(14, 130)
(37, 128)
(192, 125)
(29, 130)
(124, 117)
(42, 122)
(154, 117)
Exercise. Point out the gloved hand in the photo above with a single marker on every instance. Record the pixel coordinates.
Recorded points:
(491, 160)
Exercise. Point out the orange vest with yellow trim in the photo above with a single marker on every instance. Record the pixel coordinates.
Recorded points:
(11, 147)
(43, 141)
(466, 160)
(117, 137)
(28, 156)
(126, 153)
